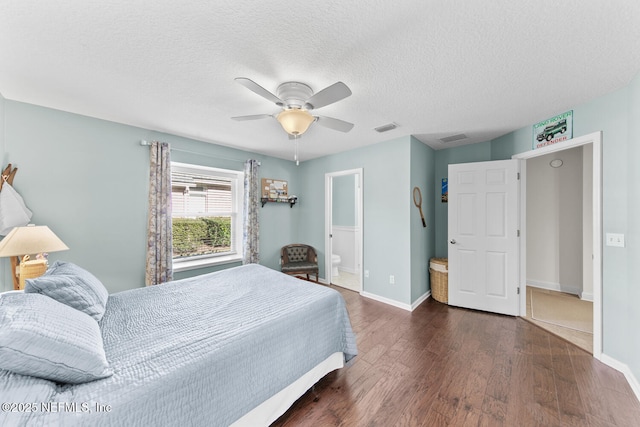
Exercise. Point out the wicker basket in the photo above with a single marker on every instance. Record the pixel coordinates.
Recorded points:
(439, 272)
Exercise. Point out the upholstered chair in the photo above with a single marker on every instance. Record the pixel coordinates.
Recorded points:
(299, 259)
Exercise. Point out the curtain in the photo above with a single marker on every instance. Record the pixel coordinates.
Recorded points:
(159, 268)
(250, 227)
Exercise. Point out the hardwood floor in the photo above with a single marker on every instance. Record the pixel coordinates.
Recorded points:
(445, 366)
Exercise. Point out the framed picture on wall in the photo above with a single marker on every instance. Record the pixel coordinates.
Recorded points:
(551, 131)
(445, 190)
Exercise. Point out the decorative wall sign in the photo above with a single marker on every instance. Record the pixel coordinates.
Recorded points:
(551, 131)
(445, 190)
(275, 190)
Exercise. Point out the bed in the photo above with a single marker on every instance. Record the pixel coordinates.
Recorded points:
(234, 347)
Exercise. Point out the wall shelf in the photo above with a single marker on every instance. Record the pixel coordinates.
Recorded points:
(290, 201)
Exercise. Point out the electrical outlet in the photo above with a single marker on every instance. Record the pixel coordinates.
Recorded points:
(366, 274)
(614, 239)
(392, 280)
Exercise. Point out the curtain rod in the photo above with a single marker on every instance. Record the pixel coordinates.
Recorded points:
(147, 143)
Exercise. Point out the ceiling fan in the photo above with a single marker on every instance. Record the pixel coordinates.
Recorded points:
(297, 100)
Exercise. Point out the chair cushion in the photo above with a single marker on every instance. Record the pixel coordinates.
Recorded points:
(297, 253)
(299, 266)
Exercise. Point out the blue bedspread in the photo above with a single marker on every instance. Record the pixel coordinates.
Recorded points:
(201, 351)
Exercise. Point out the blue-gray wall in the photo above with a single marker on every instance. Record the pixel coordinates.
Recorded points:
(630, 333)
(344, 201)
(386, 196)
(395, 243)
(443, 158)
(87, 179)
(422, 239)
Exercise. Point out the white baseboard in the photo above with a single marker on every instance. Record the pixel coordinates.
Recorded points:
(348, 269)
(586, 296)
(420, 300)
(624, 368)
(394, 303)
(554, 287)
(387, 301)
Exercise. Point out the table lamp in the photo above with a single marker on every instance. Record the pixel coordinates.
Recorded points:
(25, 242)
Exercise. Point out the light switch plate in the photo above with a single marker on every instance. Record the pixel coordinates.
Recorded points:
(614, 239)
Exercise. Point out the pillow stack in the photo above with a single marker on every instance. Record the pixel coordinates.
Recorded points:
(71, 285)
(51, 330)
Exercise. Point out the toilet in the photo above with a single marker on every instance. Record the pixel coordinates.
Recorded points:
(335, 261)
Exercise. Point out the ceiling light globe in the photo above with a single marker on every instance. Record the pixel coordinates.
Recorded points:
(295, 121)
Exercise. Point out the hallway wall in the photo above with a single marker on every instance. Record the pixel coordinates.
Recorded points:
(554, 222)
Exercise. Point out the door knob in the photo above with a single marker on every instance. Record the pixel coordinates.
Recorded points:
(453, 241)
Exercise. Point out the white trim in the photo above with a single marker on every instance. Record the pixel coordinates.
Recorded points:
(350, 233)
(394, 303)
(387, 301)
(204, 262)
(347, 269)
(551, 286)
(193, 168)
(237, 206)
(420, 300)
(585, 296)
(624, 368)
(595, 139)
(350, 228)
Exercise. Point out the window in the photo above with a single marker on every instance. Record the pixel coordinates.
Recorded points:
(206, 215)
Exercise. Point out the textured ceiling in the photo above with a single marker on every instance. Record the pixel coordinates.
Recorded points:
(436, 68)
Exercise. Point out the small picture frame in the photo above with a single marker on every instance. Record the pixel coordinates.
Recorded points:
(445, 190)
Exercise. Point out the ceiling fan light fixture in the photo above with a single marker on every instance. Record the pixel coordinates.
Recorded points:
(295, 121)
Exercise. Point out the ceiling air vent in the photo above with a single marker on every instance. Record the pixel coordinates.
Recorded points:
(452, 138)
(386, 128)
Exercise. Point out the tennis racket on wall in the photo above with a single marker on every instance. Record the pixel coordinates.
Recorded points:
(417, 200)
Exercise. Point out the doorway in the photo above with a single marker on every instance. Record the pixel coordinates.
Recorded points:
(591, 251)
(343, 229)
(559, 231)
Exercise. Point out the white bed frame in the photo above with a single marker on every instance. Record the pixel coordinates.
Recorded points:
(271, 409)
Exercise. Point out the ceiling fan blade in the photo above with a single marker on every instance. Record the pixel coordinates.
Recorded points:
(328, 95)
(252, 117)
(256, 88)
(335, 124)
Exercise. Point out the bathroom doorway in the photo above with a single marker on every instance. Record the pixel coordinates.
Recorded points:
(343, 225)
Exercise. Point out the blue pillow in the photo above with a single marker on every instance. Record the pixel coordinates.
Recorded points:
(71, 285)
(43, 338)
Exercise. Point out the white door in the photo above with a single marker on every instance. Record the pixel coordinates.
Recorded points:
(483, 236)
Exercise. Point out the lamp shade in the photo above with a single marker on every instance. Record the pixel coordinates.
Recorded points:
(295, 121)
(30, 239)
